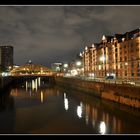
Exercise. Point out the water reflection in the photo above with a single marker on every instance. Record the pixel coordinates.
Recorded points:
(79, 110)
(39, 81)
(52, 110)
(101, 118)
(6, 101)
(66, 103)
(33, 84)
(41, 96)
(102, 127)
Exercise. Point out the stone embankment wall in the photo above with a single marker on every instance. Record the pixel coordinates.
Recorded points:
(121, 93)
(5, 82)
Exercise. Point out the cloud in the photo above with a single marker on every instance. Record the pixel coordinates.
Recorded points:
(49, 34)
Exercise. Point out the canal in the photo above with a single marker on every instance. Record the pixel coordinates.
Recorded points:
(34, 106)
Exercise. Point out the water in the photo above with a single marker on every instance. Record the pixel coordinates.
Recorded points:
(34, 107)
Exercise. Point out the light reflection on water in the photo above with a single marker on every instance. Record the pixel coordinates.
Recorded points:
(66, 102)
(34, 84)
(53, 110)
(41, 96)
(102, 127)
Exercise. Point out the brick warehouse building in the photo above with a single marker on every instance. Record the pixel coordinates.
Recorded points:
(117, 55)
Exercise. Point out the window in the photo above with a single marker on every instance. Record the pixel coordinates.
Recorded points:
(125, 73)
(132, 58)
(137, 43)
(125, 66)
(131, 44)
(132, 50)
(132, 64)
(125, 58)
(132, 74)
(138, 74)
(120, 65)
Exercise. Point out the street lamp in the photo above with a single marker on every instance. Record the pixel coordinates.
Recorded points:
(65, 68)
(78, 66)
(78, 63)
(80, 54)
(65, 65)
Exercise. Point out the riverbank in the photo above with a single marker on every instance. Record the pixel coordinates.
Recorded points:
(5, 82)
(120, 93)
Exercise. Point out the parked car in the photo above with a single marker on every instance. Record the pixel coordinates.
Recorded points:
(109, 78)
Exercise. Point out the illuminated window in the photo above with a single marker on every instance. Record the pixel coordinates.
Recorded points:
(99, 67)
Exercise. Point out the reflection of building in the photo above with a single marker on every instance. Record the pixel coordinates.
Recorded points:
(117, 55)
(6, 57)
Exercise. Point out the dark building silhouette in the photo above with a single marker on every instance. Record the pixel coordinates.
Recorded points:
(6, 58)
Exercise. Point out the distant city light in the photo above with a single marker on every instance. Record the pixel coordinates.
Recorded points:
(78, 63)
(93, 46)
(65, 65)
(80, 54)
(5, 74)
(30, 62)
(86, 48)
(126, 63)
(123, 39)
(103, 38)
(74, 72)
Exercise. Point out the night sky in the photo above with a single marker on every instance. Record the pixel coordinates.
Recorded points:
(47, 34)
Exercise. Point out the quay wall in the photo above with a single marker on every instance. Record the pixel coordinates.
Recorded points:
(5, 82)
(120, 93)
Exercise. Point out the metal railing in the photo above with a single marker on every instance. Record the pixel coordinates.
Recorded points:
(111, 81)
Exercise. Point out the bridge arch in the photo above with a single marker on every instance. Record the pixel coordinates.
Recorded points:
(32, 70)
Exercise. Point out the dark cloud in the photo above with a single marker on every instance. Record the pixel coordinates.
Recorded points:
(47, 34)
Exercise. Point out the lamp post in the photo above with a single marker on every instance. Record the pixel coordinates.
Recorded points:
(78, 66)
(65, 67)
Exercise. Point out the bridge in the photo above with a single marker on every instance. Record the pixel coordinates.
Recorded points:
(32, 70)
